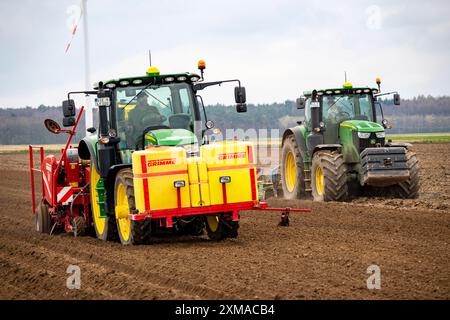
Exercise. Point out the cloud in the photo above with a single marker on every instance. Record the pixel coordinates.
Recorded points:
(277, 48)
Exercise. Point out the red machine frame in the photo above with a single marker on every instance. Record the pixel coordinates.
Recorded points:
(50, 185)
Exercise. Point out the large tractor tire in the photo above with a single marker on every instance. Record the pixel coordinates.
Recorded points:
(130, 232)
(43, 220)
(409, 189)
(329, 176)
(218, 229)
(105, 228)
(292, 170)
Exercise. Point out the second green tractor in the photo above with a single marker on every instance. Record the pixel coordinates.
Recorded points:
(340, 150)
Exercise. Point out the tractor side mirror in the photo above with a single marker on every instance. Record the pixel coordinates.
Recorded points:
(396, 99)
(241, 107)
(240, 95)
(301, 103)
(52, 126)
(68, 121)
(68, 107)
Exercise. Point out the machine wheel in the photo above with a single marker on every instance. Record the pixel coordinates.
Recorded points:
(193, 228)
(217, 229)
(409, 189)
(130, 232)
(105, 228)
(43, 220)
(292, 170)
(79, 226)
(231, 229)
(329, 176)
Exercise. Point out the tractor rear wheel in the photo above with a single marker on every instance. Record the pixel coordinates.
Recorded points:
(130, 232)
(409, 189)
(105, 227)
(43, 220)
(329, 176)
(292, 170)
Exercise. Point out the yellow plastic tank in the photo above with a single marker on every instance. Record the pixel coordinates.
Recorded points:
(233, 159)
(155, 172)
(198, 182)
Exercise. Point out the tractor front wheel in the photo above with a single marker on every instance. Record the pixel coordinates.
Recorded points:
(43, 220)
(409, 189)
(329, 176)
(292, 170)
(130, 232)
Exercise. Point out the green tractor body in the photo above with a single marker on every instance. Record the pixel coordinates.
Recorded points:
(340, 149)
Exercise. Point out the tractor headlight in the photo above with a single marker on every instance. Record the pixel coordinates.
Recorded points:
(364, 135)
(381, 134)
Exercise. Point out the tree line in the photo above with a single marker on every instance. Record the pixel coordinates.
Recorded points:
(421, 114)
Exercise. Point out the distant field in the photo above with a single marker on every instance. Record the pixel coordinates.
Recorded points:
(421, 137)
(410, 137)
(24, 148)
(442, 137)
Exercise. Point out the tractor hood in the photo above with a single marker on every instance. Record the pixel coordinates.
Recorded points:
(362, 125)
(169, 137)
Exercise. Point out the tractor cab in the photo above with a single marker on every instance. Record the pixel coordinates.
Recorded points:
(339, 113)
(155, 110)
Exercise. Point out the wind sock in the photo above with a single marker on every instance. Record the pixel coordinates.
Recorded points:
(74, 29)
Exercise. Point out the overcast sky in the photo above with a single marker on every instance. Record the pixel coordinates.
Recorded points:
(277, 48)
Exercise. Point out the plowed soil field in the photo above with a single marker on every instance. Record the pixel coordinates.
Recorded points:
(322, 255)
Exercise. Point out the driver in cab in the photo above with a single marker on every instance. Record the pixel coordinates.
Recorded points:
(337, 111)
(142, 116)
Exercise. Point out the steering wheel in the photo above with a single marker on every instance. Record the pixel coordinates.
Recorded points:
(341, 114)
(180, 121)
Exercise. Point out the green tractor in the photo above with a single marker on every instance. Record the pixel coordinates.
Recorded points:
(340, 150)
(162, 118)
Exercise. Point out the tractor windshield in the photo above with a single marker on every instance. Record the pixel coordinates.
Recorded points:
(156, 107)
(338, 108)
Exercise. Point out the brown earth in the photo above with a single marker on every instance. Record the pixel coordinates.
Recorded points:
(322, 255)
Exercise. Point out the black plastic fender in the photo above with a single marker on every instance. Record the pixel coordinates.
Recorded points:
(327, 147)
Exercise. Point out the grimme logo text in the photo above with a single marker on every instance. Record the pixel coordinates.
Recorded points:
(229, 156)
(161, 162)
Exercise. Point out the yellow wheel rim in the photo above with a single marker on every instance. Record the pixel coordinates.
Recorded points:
(122, 211)
(319, 180)
(98, 221)
(213, 222)
(290, 172)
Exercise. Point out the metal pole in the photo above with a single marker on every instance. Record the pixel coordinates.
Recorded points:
(88, 108)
